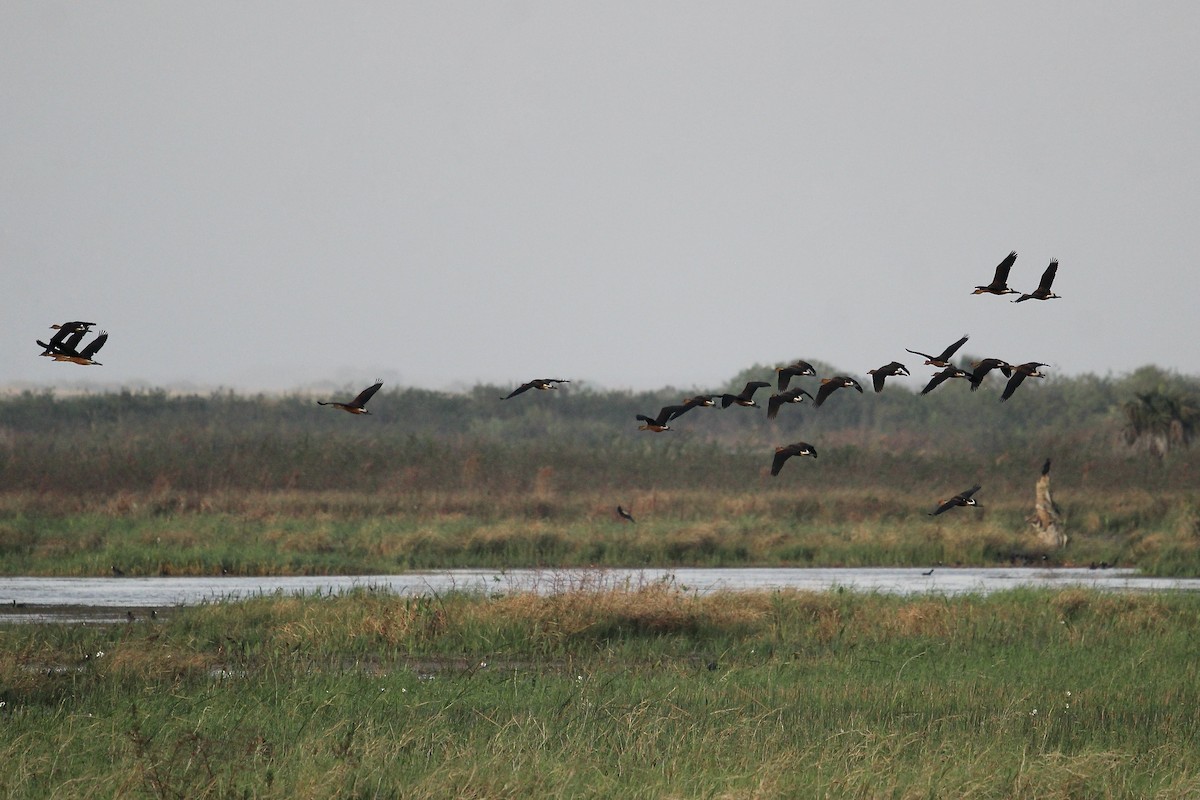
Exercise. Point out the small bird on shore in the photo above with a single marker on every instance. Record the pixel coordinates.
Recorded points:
(795, 369)
(942, 360)
(796, 395)
(357, 405)
(830, 385)
(541, 384)
(782, 454)
(1042, 292)
(745, 397)
(940, 377)
(1019, 373)
(625, 515)
(959, 500)
(880, 374)
(999, 284)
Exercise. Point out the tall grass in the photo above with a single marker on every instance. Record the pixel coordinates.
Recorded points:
(632, 691)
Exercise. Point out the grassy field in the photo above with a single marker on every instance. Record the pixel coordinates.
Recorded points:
(644, 691)
(168, 532)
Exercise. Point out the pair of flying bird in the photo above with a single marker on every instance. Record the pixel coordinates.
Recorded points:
(358, 404)
(64, 345)
(1016, 373)
(999, 284)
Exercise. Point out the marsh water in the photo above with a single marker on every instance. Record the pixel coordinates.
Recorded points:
(32, 599)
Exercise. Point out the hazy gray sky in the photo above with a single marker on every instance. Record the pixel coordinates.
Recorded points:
(271, 195)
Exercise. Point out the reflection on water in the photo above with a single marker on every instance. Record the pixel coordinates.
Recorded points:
(112, 599)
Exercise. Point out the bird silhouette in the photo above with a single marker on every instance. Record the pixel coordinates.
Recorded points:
(782, 454)
(745, 397)
(880, 374)
(1042, 292)
(941, 377)
(1019, 373)
(625, 515)
(537, 383)
(942, 360)
(961, 499)
(795, 369)
(796, 395)
(999, 284)
(983, 367)
(357, 405)
(830, 385)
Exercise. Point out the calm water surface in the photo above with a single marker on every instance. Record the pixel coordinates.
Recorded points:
(109, 599)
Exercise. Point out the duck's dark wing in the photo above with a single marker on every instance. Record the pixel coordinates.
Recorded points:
(1048, 276)
(952, 349)
(827, 388)
(854, 384)
(94, 346)
(781, 457)
(1003, 268)
(524, 387)
(366, 394)
(1013, 383)
(946, 506)
(773, 404)
(919, 353)
(668, 413)
(751, 388)
(938, 379)
(965, 496)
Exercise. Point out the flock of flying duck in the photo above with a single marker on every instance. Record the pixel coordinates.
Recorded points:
(64, 345)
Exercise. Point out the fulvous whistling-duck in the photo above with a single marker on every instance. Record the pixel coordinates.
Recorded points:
(782, 454)
(829, 385)
(1019, 373)
(960, 499)
(1042, 292)
(999, 284)
(982, 368)
(796, 395)
(939, 377)
(878, 376)
(356, 406)
(795, 369)
(942, 360)
(537, 383)
(746, 397)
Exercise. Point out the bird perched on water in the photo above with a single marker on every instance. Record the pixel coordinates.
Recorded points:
(940, 377)
(796, 395)
(830, 385)
(961, 499)
(537, 383)
(1042, 292)
(878, 376)
(782, 454)
(625, 515)
(942, 360)
(745, 397)
(795, 369)
(982, 368)
(356, 406)
(999, 284)
(66, 350)
(665, 414)
(1019, 373)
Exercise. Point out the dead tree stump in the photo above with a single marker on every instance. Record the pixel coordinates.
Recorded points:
(1047, 518)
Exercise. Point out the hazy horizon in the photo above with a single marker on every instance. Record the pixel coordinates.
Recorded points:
(274, 196)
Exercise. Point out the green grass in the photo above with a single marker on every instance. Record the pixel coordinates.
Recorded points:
(316, 533)
(642, 692)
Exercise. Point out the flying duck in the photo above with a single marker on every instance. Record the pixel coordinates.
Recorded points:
(940, 377)
(942, 360)
(982, 368)
(795, 369)
(66, 349)
(1042, 292)
(999, 284)
(1019, 373)
(356, 406)
(830, 385)
(782, 454)
(960, 499)
(625, 515)
(878, 376)
(665, 414)
(746, 397)
(796, 395)
(62, 331)
(536, 383)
